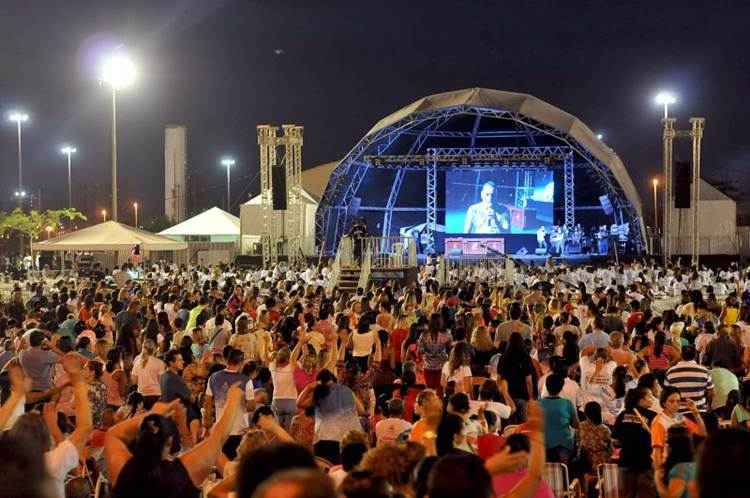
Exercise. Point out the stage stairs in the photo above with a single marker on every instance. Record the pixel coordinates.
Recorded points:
(349, 280)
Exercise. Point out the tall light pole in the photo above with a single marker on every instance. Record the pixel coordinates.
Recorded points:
(655, 183)
(135, 211)
(119, 72)
(69, 151)
(228, 162)
(668, 135)
(104, 215)
(19, 117)
(665, 99)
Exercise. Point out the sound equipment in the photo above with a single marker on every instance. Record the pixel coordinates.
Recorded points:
(682, 182)
(606, 204)
(278, 188)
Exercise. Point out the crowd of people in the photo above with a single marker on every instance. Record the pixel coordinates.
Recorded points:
(274, 383)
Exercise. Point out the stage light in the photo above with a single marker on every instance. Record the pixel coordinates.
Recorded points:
(118, 71)
(665, 99)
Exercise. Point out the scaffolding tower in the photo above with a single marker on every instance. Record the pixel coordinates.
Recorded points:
(289, 226)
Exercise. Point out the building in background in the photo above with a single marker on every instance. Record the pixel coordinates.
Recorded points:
(175, 165)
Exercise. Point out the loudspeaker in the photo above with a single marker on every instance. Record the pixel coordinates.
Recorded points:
(682, 185)
(278, 188)
(606, 204)
(354, 207)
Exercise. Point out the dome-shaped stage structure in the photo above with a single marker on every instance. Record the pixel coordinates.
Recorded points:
(427, 168)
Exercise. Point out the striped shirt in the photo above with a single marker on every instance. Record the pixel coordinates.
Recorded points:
(692, 380)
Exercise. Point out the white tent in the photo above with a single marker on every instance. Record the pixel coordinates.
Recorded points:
(717, 224)
(109, 236)
(215, 223)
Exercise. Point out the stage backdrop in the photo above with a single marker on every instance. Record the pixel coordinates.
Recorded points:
(499, 201)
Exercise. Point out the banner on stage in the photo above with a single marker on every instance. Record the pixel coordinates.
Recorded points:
(474, 247)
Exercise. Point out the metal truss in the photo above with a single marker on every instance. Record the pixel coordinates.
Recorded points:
(294, 219)
(369, 152)
(267, 146)
(431, 217)
(569, 192)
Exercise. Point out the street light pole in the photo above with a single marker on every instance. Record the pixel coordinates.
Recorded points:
(228, 162)
(135, 210)
(656, 208)
(114, 153)
(119, 72)
(19, 117)
(68, 151)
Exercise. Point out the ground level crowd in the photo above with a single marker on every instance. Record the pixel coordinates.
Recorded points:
(273, 383)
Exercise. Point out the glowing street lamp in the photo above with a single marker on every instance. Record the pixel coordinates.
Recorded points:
(19, 117)
(104, 215)
(135, 210)
(48, 229)
(665, 99)
(600, 136)
(228, 162)
(119, 72)
(69, 151)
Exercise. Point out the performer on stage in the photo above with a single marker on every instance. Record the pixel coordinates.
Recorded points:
(541, 235)
(486, 216)
(557, 238)
(358, 232)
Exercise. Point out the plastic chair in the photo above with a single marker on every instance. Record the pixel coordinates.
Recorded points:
(558, 478)
(608, 475)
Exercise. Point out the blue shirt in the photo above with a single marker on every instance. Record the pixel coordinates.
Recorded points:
(598, 339)
(558, 414)
(686, 472)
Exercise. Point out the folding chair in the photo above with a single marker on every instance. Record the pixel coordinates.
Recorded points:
(608, 475)
(556, 475)
(101, 490)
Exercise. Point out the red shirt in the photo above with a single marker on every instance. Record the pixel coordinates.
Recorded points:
(489, 444)
(398, 337)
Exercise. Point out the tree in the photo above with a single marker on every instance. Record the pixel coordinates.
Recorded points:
(33, 223)
(157, 224)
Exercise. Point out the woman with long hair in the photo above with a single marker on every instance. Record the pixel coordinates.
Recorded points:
(140, 461)
(515, 367)
(676, 478)
(147, 369)
(434, 345)
(659, 356)
(456, 369)
(115, 378)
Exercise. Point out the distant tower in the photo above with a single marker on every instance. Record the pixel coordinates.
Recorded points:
(175, 162)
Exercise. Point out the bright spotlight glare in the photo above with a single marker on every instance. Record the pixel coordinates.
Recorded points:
(227, 161)
(68, 150)
(18, 117)
(118, 71)
(599, 136)
(665, 98)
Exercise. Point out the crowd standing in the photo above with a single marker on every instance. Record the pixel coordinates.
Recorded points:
(216, 381)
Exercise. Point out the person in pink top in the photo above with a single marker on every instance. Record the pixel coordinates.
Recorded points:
(503, 483)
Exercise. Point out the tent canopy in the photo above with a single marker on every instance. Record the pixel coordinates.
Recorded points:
(109, 236)
(213, 222)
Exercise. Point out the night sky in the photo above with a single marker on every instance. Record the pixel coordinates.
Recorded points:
(222, 67)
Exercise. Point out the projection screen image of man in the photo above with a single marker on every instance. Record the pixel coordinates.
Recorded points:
(486, 216)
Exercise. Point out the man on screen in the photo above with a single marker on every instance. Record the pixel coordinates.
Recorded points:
(486, 216)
